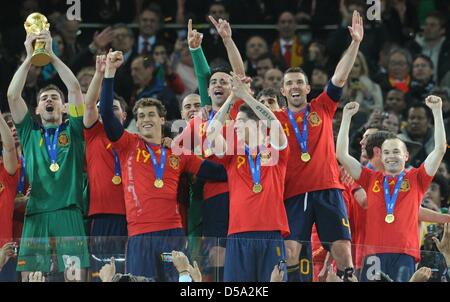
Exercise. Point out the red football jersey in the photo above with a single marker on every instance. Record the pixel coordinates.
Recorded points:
(357, 220)
(150, 209)
(402, 235)
(250, 211)
(322, 171)
(8, 190)
(105, 197)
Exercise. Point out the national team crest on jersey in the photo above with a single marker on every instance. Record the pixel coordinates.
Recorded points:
(174, 162)
(314, 119)
(2, 187)
(63, 140)
(405, 186)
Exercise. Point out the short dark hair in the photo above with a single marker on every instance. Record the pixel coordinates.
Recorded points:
(426, 58)
(122, 102)
(376, 140)
(220, 68)
(443, 188)
(146, 60)
(439, 16)
(295, 70)
(154, 8)
(267, 92)
(418, 105)
(51, 87)
(250, 113)
(149, 102)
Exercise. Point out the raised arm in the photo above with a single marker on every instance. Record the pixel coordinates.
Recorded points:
(75, 96)
(224, 30)
(428, 215)
(93, 93)
(345, 65)
(9, 147)
(241, 90)
(350, 164)
(201, 66)
(434, 159)
(113, 127)
(16, 103)
(213, 132)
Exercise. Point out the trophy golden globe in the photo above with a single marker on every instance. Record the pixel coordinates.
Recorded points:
(36, 23)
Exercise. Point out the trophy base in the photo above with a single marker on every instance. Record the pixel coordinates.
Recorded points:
(41, 58)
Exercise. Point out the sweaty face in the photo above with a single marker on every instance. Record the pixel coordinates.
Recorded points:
(190, 106)
(219, 88)
(394, 156)
(50, 107)
(295, 89)
(148, 122)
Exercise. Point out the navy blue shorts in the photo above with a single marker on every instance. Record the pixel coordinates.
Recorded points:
(109, 236)
(251, 256)
(144, 254)
(215, 216)
(8, 272)
(326, 209)
(399, 267)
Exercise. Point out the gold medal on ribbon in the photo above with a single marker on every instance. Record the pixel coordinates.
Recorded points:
(306, 157)
(159, 183)
(389, 218)
(257, 188)
(54, 167)
(117, 180)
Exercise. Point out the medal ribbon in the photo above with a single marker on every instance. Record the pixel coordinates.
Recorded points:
(211, 116)
(52, 147)
(255, 167)
(159, 169)
(391, 200)
(116, 163)
(302, 138)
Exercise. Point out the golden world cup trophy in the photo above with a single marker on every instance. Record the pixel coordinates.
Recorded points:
(36, 23)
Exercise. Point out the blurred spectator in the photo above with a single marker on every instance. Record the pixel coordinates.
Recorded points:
(444, 171)
(398, 71)
(391, 122)
(255, 47)
(123, 40)
(149, 22)
(287, 48)
(361, 89)
(148, 86)
(84, 77)
(264, 63)
(396, 103)
(437, 193)
(272, 79)
(107, 11)
(433, 43)
(183, 65)
(422, 79)
(212, 43)
(418, 134)
(69, 30)
(164, 70)
(319, 80)
(401, 19)
(375, 34)
(316, 56)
